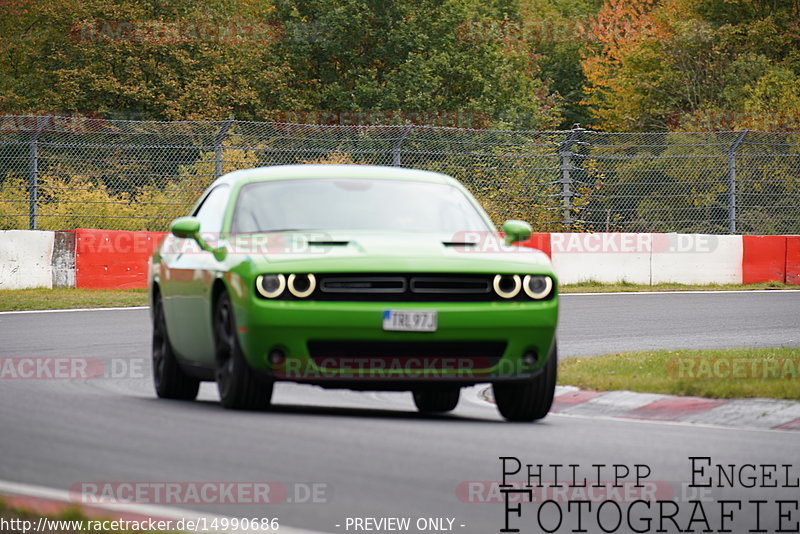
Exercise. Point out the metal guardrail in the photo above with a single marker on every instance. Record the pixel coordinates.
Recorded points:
(70, 172)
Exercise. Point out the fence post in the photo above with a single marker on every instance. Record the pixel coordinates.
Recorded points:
(565, 167)
(732, 181)
(33, 178)
(398, 144)
(218, 147)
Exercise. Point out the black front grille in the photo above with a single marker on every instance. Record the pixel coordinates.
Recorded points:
(454, 285)
(358, 284)
(379, 287)
(471, 354)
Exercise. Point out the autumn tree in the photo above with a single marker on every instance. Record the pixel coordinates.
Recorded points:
(253, 59)
(695, 64)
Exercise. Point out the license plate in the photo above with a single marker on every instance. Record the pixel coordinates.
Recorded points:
(410, 320)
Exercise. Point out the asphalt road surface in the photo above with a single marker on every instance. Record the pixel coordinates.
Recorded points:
(371, 454)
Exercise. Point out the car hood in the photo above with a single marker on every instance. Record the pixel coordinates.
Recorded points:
(382, 251)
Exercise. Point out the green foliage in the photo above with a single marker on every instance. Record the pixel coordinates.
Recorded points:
(135, 59)
(375, 55)
(14, 202)
(556, 38)
(688, 64)
(252, 60)
(620, 65)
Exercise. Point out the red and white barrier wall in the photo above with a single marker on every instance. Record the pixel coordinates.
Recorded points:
(651, 259)
(36, 259)
(98, 259)
(113, 259)
(107, 259)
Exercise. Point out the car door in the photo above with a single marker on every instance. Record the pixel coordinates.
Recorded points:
(189, 273)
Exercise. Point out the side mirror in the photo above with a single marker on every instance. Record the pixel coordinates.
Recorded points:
(189, 228)
(516, 231)
(185, 227)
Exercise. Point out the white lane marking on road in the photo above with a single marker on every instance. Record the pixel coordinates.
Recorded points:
(677, 292)
(120, 308)
(163, 512)
(669, 423)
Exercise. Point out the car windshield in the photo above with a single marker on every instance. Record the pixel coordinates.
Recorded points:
(362, 204)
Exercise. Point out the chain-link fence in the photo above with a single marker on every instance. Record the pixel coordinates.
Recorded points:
(65, 173)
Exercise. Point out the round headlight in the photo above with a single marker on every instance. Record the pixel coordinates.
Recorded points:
(537, 287)
(302, 285)
(270, 286)
(507, 285)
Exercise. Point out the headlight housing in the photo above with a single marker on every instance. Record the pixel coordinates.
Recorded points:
(537, 287)
(504, 287)
(507, 286)
(302, 285)
(270, 286)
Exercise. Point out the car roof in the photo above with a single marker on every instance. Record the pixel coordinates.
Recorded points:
(332, 171)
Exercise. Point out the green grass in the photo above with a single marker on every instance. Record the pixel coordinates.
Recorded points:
(66, 298)
(599, 287)
(71, 513)
(724, 374)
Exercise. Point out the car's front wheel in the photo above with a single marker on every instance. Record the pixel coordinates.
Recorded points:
(169, 379)
(239, 386)
(530, 400)
(436, 400)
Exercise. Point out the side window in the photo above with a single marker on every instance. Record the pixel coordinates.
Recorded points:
(212, 210)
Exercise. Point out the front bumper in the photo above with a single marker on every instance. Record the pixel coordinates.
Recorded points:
(474, 342)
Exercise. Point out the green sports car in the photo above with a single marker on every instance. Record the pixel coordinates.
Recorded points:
(352, 276)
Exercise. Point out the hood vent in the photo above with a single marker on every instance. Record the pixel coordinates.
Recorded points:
(459, 243)
(328, 243)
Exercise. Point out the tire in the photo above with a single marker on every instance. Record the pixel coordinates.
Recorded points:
(531, 400)
(239, 387)
(168, 378)
(436, 400)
